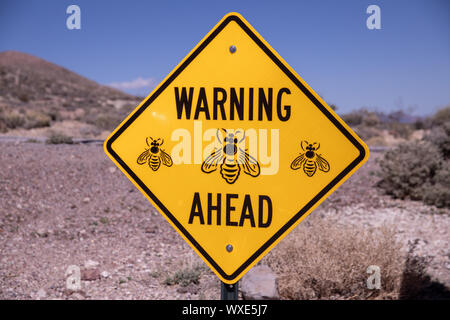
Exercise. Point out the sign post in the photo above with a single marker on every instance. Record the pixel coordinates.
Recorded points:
(229, 291)
(234, 149)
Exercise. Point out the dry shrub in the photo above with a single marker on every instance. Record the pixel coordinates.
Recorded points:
(400, 130)
(36, 119)
(3, 127)
(186, 270)
(361, 117)
(185, 277)
(322, 260)
(371, 119)
(354, 118)
(106, 121)
(13, 119)
(56, 137)
(366, 133)
(369, 124)
(377, 141)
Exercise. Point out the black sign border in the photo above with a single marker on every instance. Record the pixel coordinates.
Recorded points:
(299, 84)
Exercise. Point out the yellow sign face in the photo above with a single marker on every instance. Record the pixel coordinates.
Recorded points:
(234, 148)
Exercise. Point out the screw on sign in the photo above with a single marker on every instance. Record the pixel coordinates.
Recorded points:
(266, 151)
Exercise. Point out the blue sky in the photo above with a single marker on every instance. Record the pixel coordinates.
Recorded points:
(135, 44)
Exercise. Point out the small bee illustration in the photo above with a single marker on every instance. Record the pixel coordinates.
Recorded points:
(154, 155)
(231, 158)
(310, 159)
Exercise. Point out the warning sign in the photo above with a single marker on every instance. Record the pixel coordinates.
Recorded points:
(234, 148)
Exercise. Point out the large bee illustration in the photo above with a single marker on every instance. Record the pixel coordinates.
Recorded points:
(232, 159)
(154, 155)
(310, 159)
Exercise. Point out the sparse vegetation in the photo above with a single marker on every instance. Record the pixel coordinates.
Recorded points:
(58, 138)
(45, 208)
(106, 121)
(13, 119)
(37, 93)
(400, 130)
(370, 125)
(104, 220)
(420, 170)
(36, 119)
(185, 277)
(329, 261)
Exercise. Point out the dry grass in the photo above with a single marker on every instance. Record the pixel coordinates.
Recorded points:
(321, 260)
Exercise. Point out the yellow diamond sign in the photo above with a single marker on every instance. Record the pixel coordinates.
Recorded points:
(234, 148)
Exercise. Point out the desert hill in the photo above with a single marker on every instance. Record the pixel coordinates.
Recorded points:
(36, 93)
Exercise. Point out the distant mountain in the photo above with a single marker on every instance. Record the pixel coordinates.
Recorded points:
(28, 82)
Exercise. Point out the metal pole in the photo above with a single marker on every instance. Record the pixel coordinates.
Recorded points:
(229, 291)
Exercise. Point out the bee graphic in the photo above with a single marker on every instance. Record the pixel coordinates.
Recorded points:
(310, 159)
(154, 155)
(232, 159)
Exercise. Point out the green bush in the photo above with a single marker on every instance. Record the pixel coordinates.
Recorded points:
(406, 169)
(440, 136)
(438, 191)
(420, 171)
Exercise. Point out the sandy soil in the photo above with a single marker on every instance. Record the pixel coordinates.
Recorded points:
(63, 205)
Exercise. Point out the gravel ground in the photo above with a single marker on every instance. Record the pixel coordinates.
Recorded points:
(67, 205)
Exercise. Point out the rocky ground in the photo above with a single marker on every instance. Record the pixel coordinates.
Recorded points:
(64, 207)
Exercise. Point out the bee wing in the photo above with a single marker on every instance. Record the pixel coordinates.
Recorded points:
(143, 157)
(297, 163)
(248, 163)
(322, 163)
(165, 158)
(210, 163)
